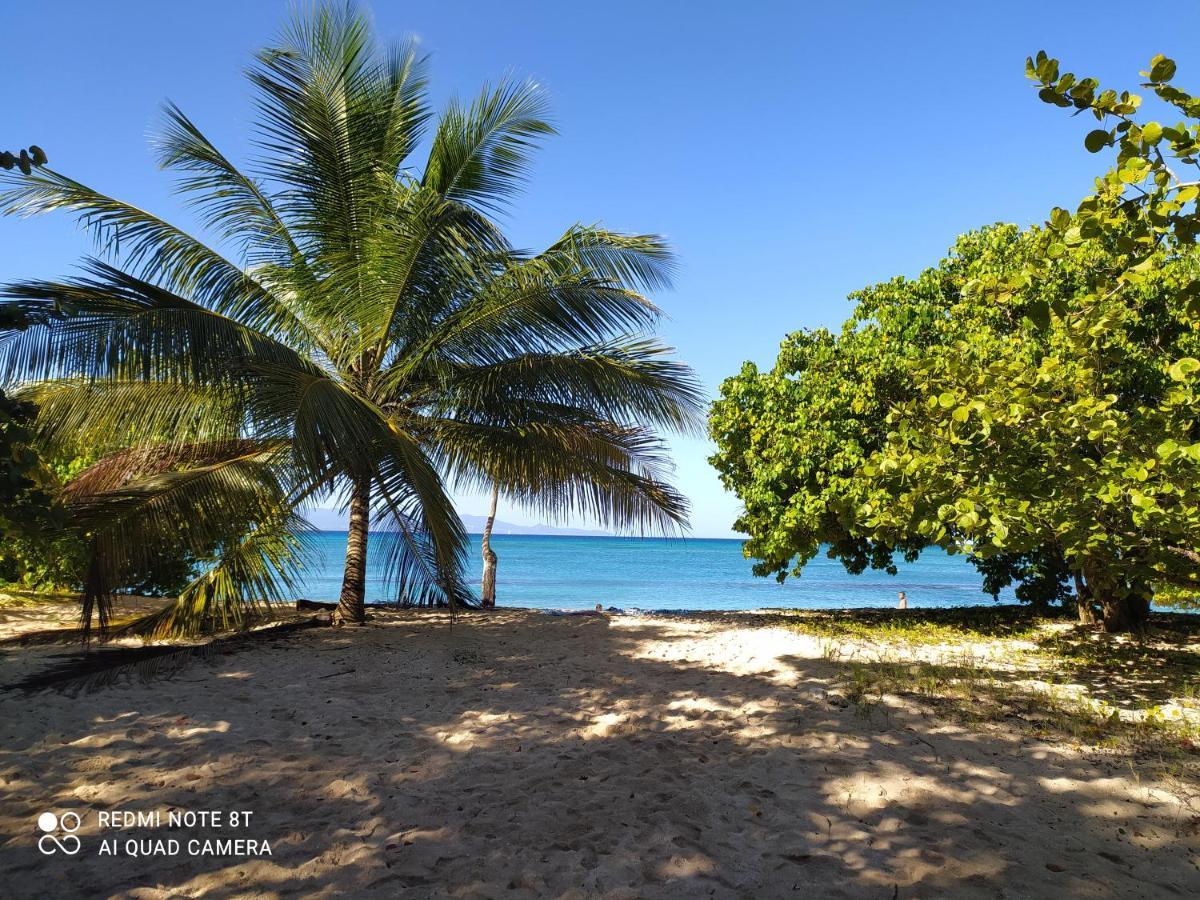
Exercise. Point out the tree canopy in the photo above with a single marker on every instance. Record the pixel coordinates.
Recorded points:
(1033, 401)
(26, 490)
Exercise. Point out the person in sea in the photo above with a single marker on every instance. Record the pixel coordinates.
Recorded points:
(903, 604)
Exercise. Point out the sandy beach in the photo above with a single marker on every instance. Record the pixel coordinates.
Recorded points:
(523, 755)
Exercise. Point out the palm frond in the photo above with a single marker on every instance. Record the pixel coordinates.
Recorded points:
(421, 257)
(530, 308)
(230, 202)
(414, 573)
(635, 380)
(242, 586)
(331, 427)
(481, 152)
(83, 415)
(151, 248)
(115, 325)
(427, 550)
(615, 475)
(642, 261)
(402, 108)
(155, 505)
(119, 469)
(317, 93)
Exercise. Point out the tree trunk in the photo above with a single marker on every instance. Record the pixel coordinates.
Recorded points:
(488, 590)
(352, 602)
(1126, 613)
(1083, 601)
(1122, 606)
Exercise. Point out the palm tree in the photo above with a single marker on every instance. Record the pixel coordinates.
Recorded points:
(487, 587)
(362, 330)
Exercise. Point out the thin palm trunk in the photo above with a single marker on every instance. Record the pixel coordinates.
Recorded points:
(488, 590)
(352, 602)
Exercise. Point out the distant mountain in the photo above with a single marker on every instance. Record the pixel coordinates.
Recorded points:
(332, 520)
(475, 526)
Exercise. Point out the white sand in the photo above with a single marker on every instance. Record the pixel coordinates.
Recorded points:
(520, 755)
(20, 617)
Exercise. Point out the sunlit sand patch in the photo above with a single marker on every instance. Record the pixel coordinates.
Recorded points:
(687, 865)
(341, 788)
(605, 725)
(185, 729)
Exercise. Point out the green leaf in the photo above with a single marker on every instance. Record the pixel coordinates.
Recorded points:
(1047, 70)
(1050, 95)
(1039, 314)
(1184, 369)
(1097, 140)
(1162, 69)
(1131, 173)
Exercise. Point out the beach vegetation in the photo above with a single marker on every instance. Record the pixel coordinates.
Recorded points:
(1006, 666)
(26, 493)
(1032, 401)
(359, 331)
(28, 513)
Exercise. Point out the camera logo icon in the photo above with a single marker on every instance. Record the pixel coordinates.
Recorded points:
(59, 832)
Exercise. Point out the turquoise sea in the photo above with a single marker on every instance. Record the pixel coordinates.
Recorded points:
(666, 573)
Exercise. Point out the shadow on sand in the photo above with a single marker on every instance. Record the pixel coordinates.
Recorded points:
(522, 756)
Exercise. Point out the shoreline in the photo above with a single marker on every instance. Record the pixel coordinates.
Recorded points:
(32, 611)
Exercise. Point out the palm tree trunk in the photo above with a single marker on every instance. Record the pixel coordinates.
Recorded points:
(352, 602)
(488, 590)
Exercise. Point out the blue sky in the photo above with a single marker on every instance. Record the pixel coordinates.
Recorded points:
(792, 152)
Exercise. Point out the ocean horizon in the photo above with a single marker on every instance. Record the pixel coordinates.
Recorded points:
(577, 572)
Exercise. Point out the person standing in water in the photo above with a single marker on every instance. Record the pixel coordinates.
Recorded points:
(903, 604)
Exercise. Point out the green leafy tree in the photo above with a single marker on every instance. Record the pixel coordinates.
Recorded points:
(27, 509)
(43, 554)
(1042, 413)
(26, 492)
(49, 554)
(793, 442)
(364, 332)
(968, 409)
(1086, 446)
